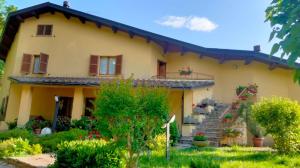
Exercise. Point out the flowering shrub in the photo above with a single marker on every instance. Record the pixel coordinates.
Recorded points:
(18, 147)
(37, 123)
(85, 123)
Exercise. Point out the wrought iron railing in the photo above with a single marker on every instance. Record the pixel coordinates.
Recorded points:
(181, 76)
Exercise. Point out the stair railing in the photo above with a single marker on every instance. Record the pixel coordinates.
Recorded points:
(228, 109)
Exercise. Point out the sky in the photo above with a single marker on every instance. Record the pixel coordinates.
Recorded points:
(230, 24)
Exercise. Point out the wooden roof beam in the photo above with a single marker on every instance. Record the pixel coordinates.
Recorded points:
(37, 16)
(272, 66)
(67, 16)
(99, 25)
(114, 29)
(166, 48)
(131, 35)
(248, 61)
(20, 19)
(148, 39)
(183, 51)
(222, 60)
(82, 20)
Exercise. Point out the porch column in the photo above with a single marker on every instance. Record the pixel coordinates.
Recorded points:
(78, 104)
(25, 105)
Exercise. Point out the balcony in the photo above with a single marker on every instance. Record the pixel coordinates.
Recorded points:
(184, 76)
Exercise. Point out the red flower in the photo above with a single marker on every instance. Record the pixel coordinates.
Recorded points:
(200, 134)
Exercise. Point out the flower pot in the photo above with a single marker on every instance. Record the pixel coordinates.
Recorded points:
(243, 97)
(200, 143)
(258, 142)
(37, 131)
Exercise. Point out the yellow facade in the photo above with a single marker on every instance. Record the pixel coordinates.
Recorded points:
(69, 50)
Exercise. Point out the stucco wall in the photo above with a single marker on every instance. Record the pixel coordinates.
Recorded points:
(229, 75)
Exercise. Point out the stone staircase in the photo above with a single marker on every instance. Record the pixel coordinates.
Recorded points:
(210, 125)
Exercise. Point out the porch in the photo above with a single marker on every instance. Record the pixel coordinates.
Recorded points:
(35, 96)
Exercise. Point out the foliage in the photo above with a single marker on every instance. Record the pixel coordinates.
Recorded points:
(174, 133)
(50, 142)
(158, 143)
(12, 125)
(37, 123)
(200, 136)
(4, 11)
(204, 164)
(85, 123)
(131, 116)
(228, 116)
(18, 147)
(63, 123)
(91, 153)
(231, 132)
(284, 17)
(16, 133)
(281, 118)
(245, 113)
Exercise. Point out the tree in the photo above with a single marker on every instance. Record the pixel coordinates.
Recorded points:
(284, 18)
(4, 11)
(131, 116)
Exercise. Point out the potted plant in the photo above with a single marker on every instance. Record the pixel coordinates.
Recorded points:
(231, 133)
(240, 89)
(186, 71)
(200, 140)
(257, 133)
(252, 88)
(228, 117)
(36, 124)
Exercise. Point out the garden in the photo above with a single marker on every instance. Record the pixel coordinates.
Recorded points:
(130, 134)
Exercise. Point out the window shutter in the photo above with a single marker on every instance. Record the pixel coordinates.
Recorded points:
(40, 30)
(94, 61)
(118, 65)
(26, 63)
(43, 63)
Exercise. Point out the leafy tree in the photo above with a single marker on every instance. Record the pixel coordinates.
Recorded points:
(281, 118)
(132, 117)
(284, 18)
(4, 11)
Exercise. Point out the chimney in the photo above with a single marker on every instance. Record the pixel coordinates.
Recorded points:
(256, 48)
(66, 4)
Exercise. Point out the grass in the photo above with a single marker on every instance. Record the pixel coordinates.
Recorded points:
(236, 157)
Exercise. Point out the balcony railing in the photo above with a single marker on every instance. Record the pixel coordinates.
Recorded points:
(180, 76)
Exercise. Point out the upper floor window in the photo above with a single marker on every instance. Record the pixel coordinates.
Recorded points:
(40, 63)
(44, 30)
(105, 65)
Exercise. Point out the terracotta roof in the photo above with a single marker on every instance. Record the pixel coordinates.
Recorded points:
(74, 81)
(168, 44)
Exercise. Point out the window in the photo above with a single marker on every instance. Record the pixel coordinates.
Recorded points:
(40, 63)
(107, 65)
(36, 64)
(44, 30)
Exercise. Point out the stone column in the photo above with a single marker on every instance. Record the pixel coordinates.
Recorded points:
(78, 104)
(25, 105)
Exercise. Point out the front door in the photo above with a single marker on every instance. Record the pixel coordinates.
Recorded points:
(161, 69)
(65, 106)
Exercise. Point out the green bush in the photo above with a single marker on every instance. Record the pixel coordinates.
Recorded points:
(204, 163)
(174, 133)
(87, 153)
(158, 143)
(16, 133)
(281, 118)
(50, 142)
(85, 123)
(18, 147)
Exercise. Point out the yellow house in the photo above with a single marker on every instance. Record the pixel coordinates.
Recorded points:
(52, 50)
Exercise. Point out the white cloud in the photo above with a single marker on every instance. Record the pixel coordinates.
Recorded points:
(193, 23)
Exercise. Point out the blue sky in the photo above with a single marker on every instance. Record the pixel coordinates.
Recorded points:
(232, 24)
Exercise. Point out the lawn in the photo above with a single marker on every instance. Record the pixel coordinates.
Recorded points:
(235, 157)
